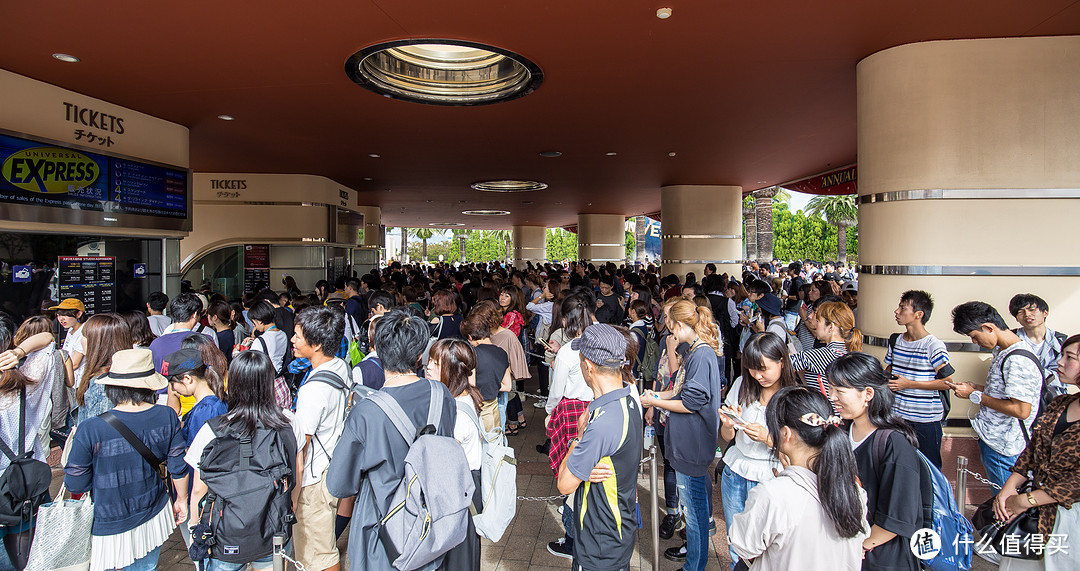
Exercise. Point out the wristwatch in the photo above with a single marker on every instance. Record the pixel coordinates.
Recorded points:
(1031, 499)
(976, 397)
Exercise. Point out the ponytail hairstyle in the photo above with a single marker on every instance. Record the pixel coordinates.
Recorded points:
(457, 361)
(576, 314)
(833, 461)
(627, 370)
(861, 371)
(699, 318)
(839, 314)
(761, 346)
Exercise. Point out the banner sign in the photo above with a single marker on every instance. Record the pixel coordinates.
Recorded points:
(840, 181)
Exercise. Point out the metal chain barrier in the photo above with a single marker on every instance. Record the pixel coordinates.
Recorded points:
(541, 498)
(281, 558)
(980, 478)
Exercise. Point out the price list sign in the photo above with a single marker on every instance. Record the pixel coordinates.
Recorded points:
(91, 279)
(256, 266)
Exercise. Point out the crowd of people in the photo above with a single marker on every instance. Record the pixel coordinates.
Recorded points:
(207, 414)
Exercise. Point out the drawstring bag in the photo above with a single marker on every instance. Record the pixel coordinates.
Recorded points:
(62, 536)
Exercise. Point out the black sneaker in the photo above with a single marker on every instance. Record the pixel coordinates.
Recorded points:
(668, 525)
(712, 530)
(674, 553)
(563, 548)
(544, 448)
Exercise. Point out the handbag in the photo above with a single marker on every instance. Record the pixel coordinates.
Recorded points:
(1015, 538)
(62, 535)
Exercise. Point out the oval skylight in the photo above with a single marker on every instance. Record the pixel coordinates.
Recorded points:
(485, 212)
(507, 185)
(443, 72)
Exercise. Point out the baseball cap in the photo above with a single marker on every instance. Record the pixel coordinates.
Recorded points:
(851, 286)
(180, 362)
(70, 303)
(602, 344)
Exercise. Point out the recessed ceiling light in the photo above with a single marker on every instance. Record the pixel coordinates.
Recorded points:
(373, 155)
(507, 185)
(671, 154)
(446, 224)
(762, 181)
(226, 117)
(443, 72)
(66, 58)
(550, 154)
(368, 178)
(611, 154)
(663, 13)
(485, 212)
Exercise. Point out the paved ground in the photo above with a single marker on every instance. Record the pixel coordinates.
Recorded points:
(525, 545)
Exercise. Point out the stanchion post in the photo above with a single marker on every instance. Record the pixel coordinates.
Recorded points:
(279, 548)
(655, 508)
(961, 481)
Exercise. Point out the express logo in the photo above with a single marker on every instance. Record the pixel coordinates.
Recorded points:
(49, 170)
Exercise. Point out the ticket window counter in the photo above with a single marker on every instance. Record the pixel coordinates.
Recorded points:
(30, 280)
(233, 270)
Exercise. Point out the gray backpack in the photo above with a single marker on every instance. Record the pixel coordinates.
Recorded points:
(429, 510)
(498, 480)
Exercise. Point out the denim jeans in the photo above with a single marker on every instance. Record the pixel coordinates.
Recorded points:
(929, 436)
(694, 504)
(791, 319)
(258, 565)
(568, 520)
(147, 562)
(997, 465)
(733, 491)
(504, 399)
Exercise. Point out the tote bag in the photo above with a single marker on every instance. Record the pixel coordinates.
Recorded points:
(62, 535)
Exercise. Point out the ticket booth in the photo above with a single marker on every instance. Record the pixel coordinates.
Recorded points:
(94, 199)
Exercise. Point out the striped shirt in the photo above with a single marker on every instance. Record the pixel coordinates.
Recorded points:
(918, 360)
(813, 363)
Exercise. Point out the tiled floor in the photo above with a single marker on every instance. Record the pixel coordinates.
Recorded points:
(524, 547)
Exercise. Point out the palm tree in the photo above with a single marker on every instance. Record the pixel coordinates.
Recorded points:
(840, 211)
(424, 234)
(506, 237)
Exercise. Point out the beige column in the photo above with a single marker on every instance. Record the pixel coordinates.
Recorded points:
(530, 245)
(368, 255)
(968, 182)
(601, 238)
(702, 224)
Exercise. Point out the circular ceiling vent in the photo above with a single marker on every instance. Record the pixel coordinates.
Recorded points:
(485, 212)
(443, 72)
(509, 185)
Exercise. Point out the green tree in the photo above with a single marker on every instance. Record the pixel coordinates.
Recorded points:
(839, 211)
(424, 234)
(561, 244)
(631, 245)
(798, 236)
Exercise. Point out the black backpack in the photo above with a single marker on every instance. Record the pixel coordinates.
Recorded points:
(1046, 394)
(250, 481)
(24, 485)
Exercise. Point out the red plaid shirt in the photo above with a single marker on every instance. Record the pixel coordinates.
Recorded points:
(282, 394)
(563, 427)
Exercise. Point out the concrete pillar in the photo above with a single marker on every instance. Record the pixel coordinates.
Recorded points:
(601, 238)
(530, 245)
(763, 201)
(749, 213)
(968, 182)
(701, 224)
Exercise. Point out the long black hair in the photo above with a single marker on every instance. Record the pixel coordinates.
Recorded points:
(251, 394)
(860, 371)
(761, 346)
(576, 315)
(833, 463)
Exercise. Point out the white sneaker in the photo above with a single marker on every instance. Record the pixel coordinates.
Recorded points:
(540, 403)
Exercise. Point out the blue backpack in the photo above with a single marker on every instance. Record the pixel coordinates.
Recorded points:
(940, 512)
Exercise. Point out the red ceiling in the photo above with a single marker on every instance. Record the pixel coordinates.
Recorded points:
(742, 91)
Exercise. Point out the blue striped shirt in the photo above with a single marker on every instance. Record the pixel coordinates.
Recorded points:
(918, 360)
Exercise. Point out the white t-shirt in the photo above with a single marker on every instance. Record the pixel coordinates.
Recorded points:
(199, 328)
(466, 433)
(76, 343)
(158, 323)
(320, 412)
(567, 381)
(274, 343)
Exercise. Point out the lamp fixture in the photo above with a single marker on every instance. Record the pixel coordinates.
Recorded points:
(66, 58)
(226, 117)
(663, 13)
(485, 212)
(508, 185)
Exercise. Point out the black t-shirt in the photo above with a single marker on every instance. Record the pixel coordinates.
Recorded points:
(894, 502)
(451, 327)
(793, 291)
(610, 312)
(491, 365)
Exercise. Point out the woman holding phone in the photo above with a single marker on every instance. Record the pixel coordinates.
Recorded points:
(766, 370)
